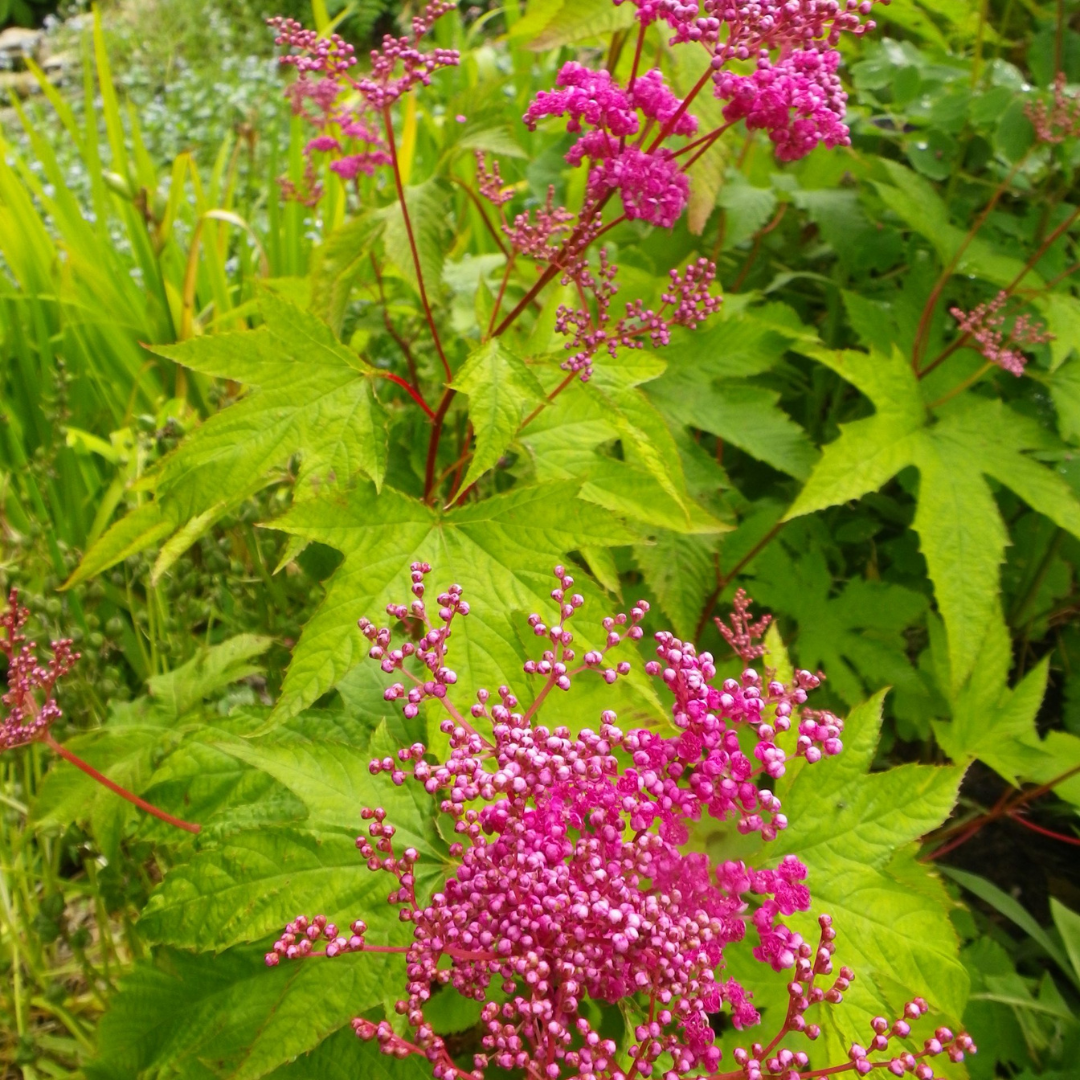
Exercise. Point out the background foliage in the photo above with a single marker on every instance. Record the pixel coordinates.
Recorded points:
(216, 558)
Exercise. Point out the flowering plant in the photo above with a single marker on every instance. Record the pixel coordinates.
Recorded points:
(30, 701)
(571, 882)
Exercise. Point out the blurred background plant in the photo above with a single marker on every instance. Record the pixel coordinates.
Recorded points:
(140, 152)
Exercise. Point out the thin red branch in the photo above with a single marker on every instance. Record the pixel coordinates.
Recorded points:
(392, 146)
(115, 788)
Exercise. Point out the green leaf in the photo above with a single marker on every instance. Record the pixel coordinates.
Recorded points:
(141, 528)
(1065, 393)
(634, 493)
(309, 396)
(960, 529)
(989, 721)
(1062, 312)
(500, 389)
(500, 550)
(704, 388)
(872, 451)
(963, 538)
(197, 1017)
(915, 200)
(211, 668)
(855, 636)
(745, 415)
(1068, 926)
(330, 774)
(558, 24)
(66, 795)
(1015, 912)
(242, 888)
(682, 571)
(345, 1057)
(249, 885)
(854, 830)
(427, 205)
(336, 265)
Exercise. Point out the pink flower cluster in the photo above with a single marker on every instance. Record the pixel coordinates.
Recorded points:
(798, 100)
(324, 89)
(687, 301)
(29, 699)
(750, 25)
(652, 185)
(985, 325)
(1058, 121)
(570, 884)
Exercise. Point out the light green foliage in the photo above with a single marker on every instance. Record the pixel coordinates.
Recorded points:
(501, 389)
(197, 1016)
(960, 529)
(854, 829)
(500, 550)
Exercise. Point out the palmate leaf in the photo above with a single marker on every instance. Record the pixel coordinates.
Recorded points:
(500, 389)
(996, 724)
(308, 395)
(500, 550)
(195, 1017)
(648, 483)
(344, 1057)
(891, 914)
(960, 529)
(247, 885)
(857, 832)
(705, 387)
(916, 202)
(856, 637)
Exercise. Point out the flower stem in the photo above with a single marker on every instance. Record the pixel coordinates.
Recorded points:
(142, 804)
(389, 125)
(409, 389)
(961, 387)
(433, 443)
(923, 331)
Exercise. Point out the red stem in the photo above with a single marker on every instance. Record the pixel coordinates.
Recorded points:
(677, 115)
(1044, 832)
(930, 306)
(409, 389)
(388, 124)
(433, 443)
(90, 771)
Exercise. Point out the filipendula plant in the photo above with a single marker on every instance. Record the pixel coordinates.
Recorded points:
(571, 881)
(30, 707)
(773, 66)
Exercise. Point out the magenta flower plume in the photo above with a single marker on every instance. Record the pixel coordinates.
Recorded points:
(798, 100)
(1058, 121)
(985, 325)
(687, 301)
(340, 106)
(570, 883)
(30, 703)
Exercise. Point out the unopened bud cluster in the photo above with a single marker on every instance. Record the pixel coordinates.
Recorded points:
(570, 882)
(29, 703)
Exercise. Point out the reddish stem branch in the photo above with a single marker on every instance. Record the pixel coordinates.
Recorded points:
(724, 580)
(409, 389)
(1006, 806)
(1044, 832)
(102, 779)
(392, 146)
(433, 443)
(923, 330)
